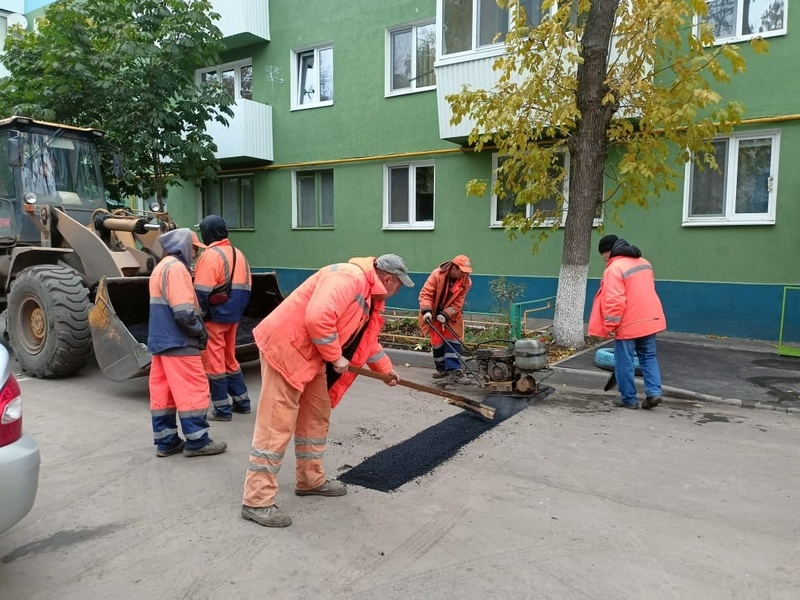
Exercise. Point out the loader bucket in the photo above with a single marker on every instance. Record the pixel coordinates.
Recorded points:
(119, 323)
(265, 296)
(118, 320)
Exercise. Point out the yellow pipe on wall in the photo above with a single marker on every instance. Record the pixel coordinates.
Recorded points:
(418, 153)
(342, 161)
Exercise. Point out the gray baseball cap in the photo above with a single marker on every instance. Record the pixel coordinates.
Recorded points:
(391, 263)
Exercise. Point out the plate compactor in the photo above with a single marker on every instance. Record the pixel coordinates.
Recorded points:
(510, 370)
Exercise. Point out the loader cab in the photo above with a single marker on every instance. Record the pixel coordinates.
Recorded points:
(46, 164)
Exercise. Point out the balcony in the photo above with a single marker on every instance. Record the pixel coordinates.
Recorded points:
(450, 78)
(474, 68)
(243, 22)
(18, 6)
(248, 136)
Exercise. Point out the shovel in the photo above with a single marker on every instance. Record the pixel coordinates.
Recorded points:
(454, 399)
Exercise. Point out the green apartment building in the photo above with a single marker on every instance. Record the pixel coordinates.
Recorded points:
(342, 146)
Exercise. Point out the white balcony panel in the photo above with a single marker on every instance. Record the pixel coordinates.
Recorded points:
(243, 22)
(13, 6)
(450, 79)
(248, 135)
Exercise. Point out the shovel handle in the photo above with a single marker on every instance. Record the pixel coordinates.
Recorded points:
(454, 399)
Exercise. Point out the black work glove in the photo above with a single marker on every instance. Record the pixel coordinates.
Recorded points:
(203, 339)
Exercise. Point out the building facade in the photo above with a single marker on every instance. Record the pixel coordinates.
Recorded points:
(342, 146)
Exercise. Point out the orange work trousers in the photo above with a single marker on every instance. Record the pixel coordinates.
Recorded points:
(219, 357)
(178, 382)
(284, 411)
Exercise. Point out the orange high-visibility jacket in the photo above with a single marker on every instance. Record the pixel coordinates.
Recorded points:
(626, 303)
(213, 269)
(319, 318)
(435, 297)
(174, 313)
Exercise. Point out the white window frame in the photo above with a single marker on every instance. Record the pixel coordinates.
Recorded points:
(295, 73)
(236, 66)
(413, 89)
(296, 200)
(488, 50)
(738, 36)
(729, 169)
(531, 208)
(412, 224)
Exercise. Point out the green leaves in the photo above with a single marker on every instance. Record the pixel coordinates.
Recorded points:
(128, 67)
(654, 105)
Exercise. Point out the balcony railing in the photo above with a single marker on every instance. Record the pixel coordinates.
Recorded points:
(243, 22)
(475, 70)
(248, 136)
(450, 79)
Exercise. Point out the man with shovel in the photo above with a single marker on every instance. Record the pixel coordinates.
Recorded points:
(306, 346)
(441, 308)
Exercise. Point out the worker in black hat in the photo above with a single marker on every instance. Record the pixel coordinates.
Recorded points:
(628, 309)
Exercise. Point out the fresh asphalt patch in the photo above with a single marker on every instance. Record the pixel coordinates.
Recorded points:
(395, 466)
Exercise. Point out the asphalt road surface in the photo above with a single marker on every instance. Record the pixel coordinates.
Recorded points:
(569, 498)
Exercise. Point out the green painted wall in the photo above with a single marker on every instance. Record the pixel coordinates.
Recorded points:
(363, 123)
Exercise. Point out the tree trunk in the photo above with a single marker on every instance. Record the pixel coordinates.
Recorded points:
(588, 149)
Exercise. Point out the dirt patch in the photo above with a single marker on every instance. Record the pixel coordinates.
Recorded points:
(404, 334)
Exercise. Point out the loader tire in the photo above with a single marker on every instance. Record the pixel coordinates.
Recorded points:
(48, 321)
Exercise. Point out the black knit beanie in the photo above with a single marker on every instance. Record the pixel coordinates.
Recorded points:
(606, 243)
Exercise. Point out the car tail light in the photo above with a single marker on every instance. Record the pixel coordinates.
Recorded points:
(10, 412)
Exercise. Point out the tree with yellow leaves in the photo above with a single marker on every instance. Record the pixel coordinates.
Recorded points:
(623, 87)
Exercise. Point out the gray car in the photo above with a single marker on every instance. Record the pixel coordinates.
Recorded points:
(19, 453)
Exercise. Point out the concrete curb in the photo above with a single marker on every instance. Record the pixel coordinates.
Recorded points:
(595, 380)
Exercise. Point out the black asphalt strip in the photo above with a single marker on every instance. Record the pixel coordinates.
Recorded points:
(393, 467)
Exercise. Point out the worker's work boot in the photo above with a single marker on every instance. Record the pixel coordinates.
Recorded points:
(619, 403)
(330, 488)
(457, 377)
(651, 402)
(268, 516)
(209, 449)
(212, 416)
(440, 374)
(176, 449)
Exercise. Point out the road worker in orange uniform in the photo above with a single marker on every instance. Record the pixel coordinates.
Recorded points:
(222, 281)
(441, 301)
(628, 309)
(175, 338)
(332, 319)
